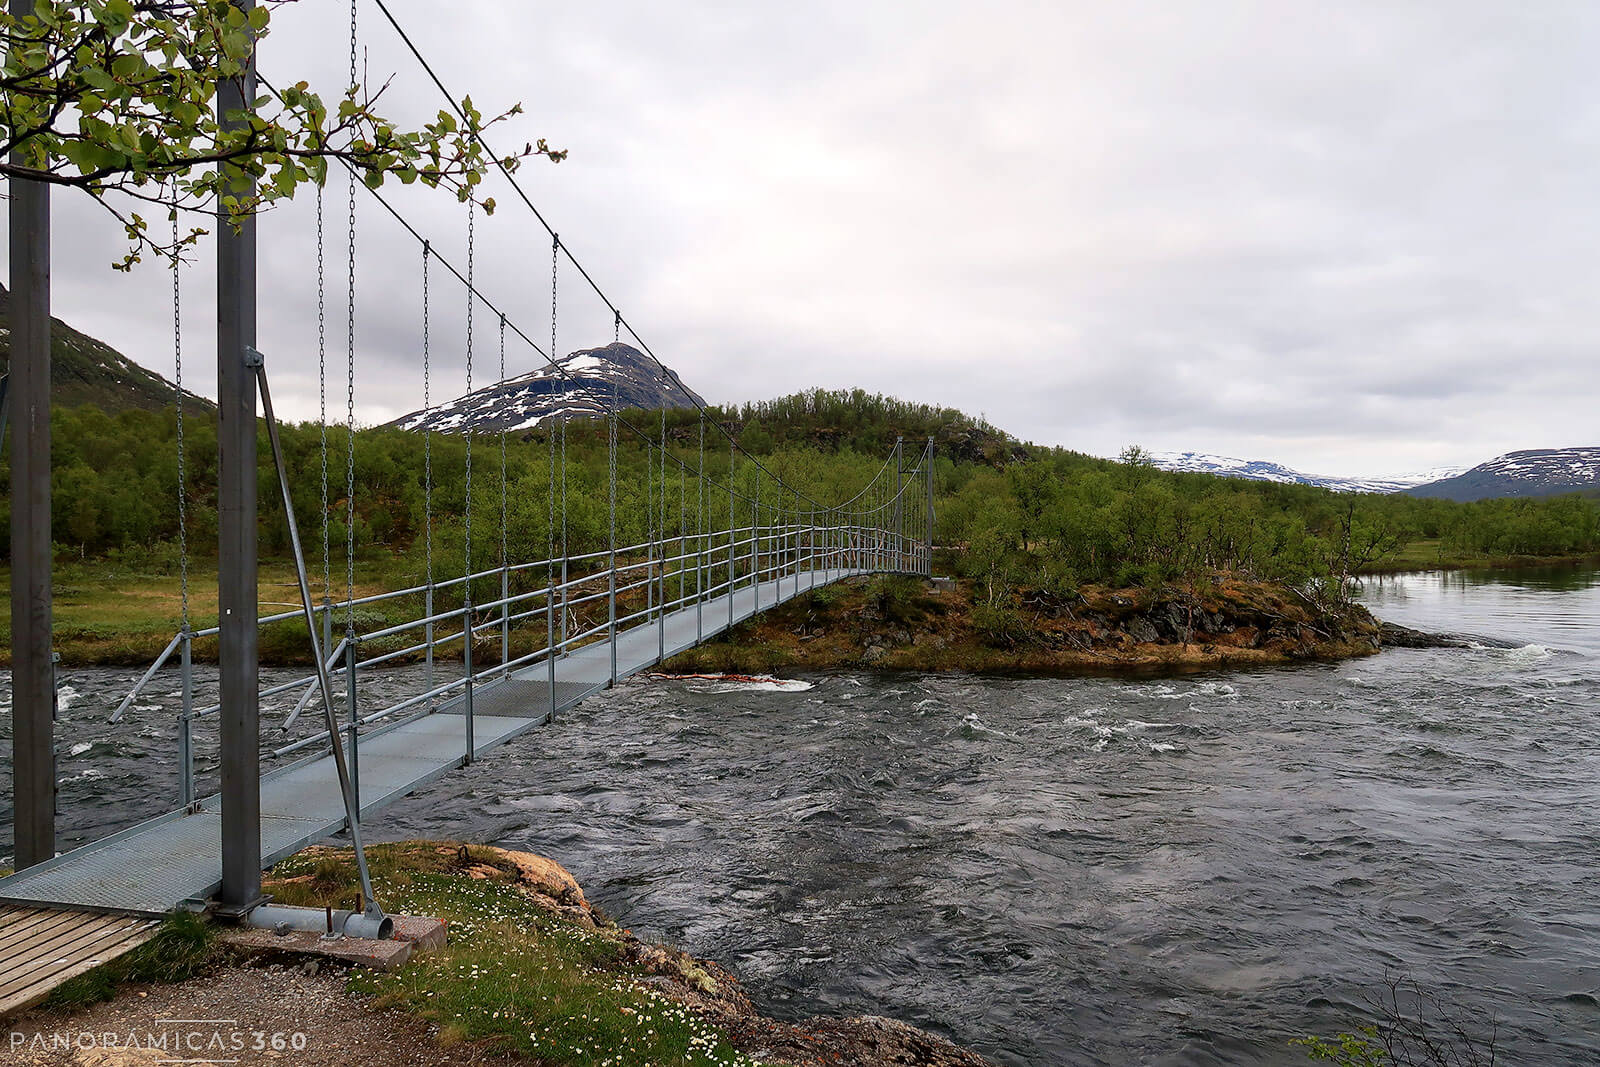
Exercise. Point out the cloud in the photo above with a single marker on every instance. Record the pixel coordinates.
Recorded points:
(1353, 238)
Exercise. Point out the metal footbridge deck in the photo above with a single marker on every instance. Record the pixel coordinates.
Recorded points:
(150, 868)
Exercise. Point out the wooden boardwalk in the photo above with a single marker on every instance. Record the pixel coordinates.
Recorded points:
(40, 948)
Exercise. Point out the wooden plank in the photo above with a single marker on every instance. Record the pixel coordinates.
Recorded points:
(18, 975)
(11, 912)
(12, 1003)
(14, 965)
(62, 923)
(32, 929)
(15, 920)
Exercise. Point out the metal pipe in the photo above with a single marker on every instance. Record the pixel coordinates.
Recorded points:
(611, 574)
(466, 655)
(281, 919)
(349, 781)
(332, 658)
(899, 488)
(353, 784)
(755, 545)
(550, 641)
(700, 541)
(186, 725)
(928, 476)
(172, 646)
(661, 528)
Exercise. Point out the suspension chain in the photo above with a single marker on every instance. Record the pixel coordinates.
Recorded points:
(472, 219)
(555, 277)
(177, 395)
(427, 422)
(350, 383)
(322, 395)
(503, 514)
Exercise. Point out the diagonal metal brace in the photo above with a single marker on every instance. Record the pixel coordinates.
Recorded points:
(351, 810)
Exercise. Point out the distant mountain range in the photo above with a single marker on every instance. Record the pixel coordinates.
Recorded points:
(1534, 472)
(583, 386)
(1264, 471)
(86, 371)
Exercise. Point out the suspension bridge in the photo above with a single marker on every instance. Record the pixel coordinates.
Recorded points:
(722, 542)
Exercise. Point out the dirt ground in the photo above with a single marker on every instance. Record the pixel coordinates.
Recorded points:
(236, 1016)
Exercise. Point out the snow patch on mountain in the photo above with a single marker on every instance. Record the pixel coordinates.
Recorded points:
(581, 384)
(1266, 471)
(1532, 472)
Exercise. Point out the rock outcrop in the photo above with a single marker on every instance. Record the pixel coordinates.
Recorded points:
(710, 990)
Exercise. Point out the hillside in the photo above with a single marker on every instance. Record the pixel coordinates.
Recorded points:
(1533, 472)
(582, 387)
(84, 370)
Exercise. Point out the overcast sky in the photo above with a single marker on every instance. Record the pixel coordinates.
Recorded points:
(1356, 238)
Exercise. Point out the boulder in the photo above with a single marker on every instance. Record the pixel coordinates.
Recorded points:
(1143, 632)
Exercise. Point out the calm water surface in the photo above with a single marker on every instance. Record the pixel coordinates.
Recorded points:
(1186, 871)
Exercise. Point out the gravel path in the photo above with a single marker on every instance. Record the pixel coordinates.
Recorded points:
(250, 1015)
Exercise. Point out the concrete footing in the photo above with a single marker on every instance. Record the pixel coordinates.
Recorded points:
(411, 934)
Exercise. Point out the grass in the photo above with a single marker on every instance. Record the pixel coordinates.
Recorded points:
(183, 948)
(516, 977)
(119, 613)
(122, 612)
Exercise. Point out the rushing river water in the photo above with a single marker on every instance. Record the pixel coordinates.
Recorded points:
(1172, 871)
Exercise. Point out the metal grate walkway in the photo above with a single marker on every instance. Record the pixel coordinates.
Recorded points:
(151, 868)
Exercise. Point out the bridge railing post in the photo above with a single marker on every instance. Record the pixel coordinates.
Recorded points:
(427, 634)
(899, 490)
(550, 633)
(505, 617)
(466, 655)
(927, 467)
(354, 710)
(186, 725)
(611, 575)
(661, 531)
(755, 544)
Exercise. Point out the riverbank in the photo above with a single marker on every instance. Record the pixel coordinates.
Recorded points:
(1430, 555)
(533, 973)
(945, 625)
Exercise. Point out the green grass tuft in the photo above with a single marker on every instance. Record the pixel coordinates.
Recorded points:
(183, 948)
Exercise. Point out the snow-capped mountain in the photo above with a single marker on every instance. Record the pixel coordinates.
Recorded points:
(582, 387)
(1264, 471)
(1534, 472)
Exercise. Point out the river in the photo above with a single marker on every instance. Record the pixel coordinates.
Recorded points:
(1175, 871)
